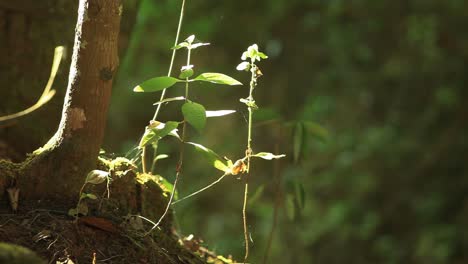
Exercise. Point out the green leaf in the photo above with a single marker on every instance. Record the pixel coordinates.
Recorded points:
(262, 55)
(218, 78)
(268, 155)
(158, 130)
(178, 98)
(257, 194)
(156, 84)
(316, 130)
(88, 195)
(249, 103)
(195, 115)
(219, 113)
(243, 66)
(190, 39)
(196, 45)
(212, 157)
(161, 156)
(167, 187)
(186, 73)
(298, 140)
(180, 45)
(97, 176)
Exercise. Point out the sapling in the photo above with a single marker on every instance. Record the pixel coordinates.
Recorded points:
(250, 57)
(194, 113)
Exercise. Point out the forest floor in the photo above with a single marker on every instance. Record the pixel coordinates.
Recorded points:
(58, 238)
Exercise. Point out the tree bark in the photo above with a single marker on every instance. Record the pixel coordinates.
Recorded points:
(57, 170)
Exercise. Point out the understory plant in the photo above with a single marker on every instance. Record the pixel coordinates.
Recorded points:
(195, 115)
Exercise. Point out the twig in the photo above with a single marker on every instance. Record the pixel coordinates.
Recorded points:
(202, 189)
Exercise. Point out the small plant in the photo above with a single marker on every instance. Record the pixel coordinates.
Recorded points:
(194, 113)
(249, 57)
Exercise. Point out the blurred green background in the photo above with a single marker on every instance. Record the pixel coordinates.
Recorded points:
(389, 184)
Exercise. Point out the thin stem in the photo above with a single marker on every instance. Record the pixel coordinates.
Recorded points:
(163, 94)
(181, 157)
(201, 190)
(143, 160)
(173, 56)
(248, 154)
(244, 218)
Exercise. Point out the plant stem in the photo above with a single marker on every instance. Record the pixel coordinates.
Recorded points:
(181, 155)
(172, 58)
(202, 189)
(155, 116)
(248, 153)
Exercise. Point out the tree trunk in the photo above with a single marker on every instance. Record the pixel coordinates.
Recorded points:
(57, 170)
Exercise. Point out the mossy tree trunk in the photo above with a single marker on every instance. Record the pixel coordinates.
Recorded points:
(57, 170)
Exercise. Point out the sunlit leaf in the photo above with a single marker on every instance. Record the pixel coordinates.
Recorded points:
(298, 140)
(96, 176)
(180, 45)
(262, 55)
(195, 115)
(243, 66)
(178, 98)
(212, 157)
(218, 78)
(156, 84)
(268, 156)
(158, 131)
(167, 187)
(196, 45)
(249, 102)
(190, 39)
(219, 113)
(161, 156)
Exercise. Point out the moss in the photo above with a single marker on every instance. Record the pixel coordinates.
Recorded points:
(9, 169)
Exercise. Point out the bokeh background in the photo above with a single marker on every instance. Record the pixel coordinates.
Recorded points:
(388, 183)
(366, 98)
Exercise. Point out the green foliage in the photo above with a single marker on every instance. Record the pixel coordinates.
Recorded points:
(253, 54)
(195, 114)
(217, 78)
(156, 84)
(386, 81)
(212, 157)
(157, 130)
(268, 156)
(97, 176)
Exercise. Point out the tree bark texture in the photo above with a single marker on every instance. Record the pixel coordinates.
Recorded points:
(57, 170)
